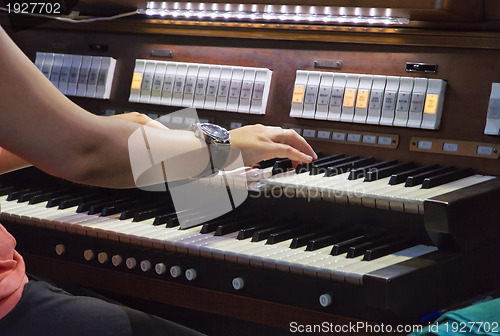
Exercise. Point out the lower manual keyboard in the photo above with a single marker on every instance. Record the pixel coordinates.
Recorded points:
(279, 256)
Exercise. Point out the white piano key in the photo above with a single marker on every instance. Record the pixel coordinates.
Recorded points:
(327, 265)
(212, 246)
(243, 253)
(268, 251)
(10, 207)
(228, 248)
(290, 260)
(188, 242)
(272, 261)
(297, 264)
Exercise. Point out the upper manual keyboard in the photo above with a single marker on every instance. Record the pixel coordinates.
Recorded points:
(394, 185)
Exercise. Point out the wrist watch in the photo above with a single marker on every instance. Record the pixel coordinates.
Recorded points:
(218, 144)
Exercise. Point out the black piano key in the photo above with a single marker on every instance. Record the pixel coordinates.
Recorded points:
(360, 248)
(212, 225)
(343, 246)
(267, 163)
(336, 167)
(302, 168)
(209, 227)
(86, 205)
(305, 167)
(233, 226)
(414, 180)
(248, 231)
(286, 234)
(186, 216)
(386, 249)
(304, 239)
(71, 202)
(15, 194)
(170, 220)
(40, 189)
(401, 177)
(340, 166)
(361, 172)
(54, 201)
(434, 181)
(119, 207)
(98, 206)
(151, 213)
(132, 210)
(333, 238)
(348, 166)
(27, 196)
(264, 233)
(384, 172)
(281, 166)
(320, 166)
(46, 196)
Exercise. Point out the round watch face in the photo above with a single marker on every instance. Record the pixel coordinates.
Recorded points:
(215, 131)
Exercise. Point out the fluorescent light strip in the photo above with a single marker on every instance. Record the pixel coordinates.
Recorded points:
(270, 13)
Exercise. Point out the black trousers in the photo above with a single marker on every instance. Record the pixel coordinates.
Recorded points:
(45, 310)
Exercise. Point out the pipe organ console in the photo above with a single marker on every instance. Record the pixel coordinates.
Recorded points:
(397, 218)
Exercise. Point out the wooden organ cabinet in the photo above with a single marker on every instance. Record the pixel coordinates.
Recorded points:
(401, 98)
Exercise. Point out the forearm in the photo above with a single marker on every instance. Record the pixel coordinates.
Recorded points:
(10, 162)
(176, 154)
(44, 128)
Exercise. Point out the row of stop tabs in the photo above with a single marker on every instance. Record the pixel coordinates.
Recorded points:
(373, 99)
(215, 87)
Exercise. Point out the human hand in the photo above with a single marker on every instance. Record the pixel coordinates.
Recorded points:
(259, 142)
(140, 119)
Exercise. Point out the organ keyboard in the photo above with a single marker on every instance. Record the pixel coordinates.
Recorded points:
(399, 186)
(274, 245)
(398, 220)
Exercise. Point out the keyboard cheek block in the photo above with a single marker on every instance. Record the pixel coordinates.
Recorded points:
(452, 219)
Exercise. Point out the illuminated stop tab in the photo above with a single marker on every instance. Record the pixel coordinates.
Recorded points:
(433, 106)
(135, 87)
(431, 103)
(299, 91)
(351, 91)
(362, 100)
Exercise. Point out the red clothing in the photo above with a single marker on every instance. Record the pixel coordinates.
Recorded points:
(12, 273)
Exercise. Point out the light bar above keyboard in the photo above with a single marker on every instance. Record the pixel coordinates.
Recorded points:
(370, 99)
(213, 87)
